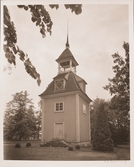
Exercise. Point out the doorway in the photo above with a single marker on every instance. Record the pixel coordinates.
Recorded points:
(58, 130)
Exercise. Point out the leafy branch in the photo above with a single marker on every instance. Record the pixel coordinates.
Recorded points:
(42, 19)
(11, 49)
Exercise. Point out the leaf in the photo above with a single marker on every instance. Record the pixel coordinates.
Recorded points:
(33, 19)
(22, 55)
(6, 55)
(5, 48)
(14, 62)
(31, 7)
(43, 32)
(9, 61)
(39, 82)
(74, 8)
(38, 21)
(43, 26)
(26, 7)
(78, 10)
(9, 29)
(54, 6)
(21, 6)
(15, 50)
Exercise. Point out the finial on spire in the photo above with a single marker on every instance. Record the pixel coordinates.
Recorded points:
(67, 43)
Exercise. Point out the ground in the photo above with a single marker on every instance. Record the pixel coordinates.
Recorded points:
(35, 152)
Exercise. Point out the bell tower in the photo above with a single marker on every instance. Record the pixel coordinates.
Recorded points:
(65, 104)
(66, 61)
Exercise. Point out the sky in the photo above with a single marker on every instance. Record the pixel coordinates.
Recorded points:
(94, 35)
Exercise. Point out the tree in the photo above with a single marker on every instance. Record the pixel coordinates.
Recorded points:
(38, 117)
(92, 119)
(101, 136)
(120, 102)
(119, 84)
(19, 118)
(41, 17)
(119, 120)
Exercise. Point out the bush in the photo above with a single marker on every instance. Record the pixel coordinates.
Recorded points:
(77, 147)
(28, 144)
(42, 144)
(70, 148)
(17, 145)
(106, 145)
(54, 143)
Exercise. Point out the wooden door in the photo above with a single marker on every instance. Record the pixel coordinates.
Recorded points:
(59, 129)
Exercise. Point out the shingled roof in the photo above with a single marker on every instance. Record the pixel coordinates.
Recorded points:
(66, 54)
(70, 86)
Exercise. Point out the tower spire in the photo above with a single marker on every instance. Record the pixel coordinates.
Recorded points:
(67, 43)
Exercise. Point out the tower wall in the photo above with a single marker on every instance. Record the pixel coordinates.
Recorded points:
(84, 120)
(67, 117)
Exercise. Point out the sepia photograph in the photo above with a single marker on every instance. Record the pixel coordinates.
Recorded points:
(65, 89)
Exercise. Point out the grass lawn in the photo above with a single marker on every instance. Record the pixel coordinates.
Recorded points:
(35, 152)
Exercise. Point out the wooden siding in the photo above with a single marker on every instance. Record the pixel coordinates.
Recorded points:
(67, 116)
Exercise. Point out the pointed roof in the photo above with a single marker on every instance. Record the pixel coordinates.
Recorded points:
(70, 86)
(66, 54)
(79, 79)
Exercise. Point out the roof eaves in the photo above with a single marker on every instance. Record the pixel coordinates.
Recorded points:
(80, 79)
